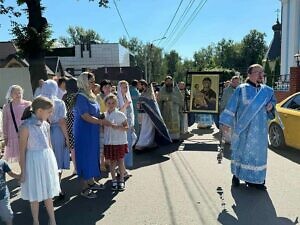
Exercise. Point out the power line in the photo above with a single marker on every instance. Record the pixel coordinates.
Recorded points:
(171, 20)
(121, 19)
(188, 22)
(182, 17)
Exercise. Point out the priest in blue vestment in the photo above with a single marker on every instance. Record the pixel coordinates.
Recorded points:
(247, 114)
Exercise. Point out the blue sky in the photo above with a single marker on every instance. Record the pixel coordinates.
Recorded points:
(148, 20)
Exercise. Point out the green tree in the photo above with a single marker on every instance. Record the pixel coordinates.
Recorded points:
(78, 35)
(34, 38)
(145, 54)
(173, 61)
(8, 10)
(155, 59)
(227, 54)
(136, 47)
(205, 58)
(268, 73)
(277, 70)
(277, 67)
(253, 47)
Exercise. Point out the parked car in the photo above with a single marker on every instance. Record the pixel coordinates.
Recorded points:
(285, 128)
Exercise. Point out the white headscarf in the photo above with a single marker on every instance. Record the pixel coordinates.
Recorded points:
(120, 96)
(8, 96)
(49, 89)
(121, 99)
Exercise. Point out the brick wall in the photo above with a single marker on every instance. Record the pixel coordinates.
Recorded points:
(294, 85)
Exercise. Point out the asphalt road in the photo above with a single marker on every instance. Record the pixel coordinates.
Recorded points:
(181, 184)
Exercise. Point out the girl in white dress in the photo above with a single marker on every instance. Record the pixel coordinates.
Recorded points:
(39, 172)
(115, 141)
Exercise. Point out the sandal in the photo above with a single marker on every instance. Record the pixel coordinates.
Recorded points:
(88, 193)
(114, 185)
(121, 186)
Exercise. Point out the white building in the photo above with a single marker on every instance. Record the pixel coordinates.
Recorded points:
(290, 42)
(92, 56)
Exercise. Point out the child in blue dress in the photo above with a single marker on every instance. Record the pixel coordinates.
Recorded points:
(58, 128)
(39, 171)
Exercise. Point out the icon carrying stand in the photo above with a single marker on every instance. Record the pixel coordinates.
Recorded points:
(203, 98)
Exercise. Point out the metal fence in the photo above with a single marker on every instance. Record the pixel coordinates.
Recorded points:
(278, 82)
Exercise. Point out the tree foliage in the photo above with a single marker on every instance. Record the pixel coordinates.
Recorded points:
(34, 38)
(253, 47)
(8, 10)
(78, 35)
(146, 57)
(205, 58)
(30, 41)
(136, 47)
(268, 73)
(227, 54)
(173, 60)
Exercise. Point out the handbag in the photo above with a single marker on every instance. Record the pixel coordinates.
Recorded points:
(13, 117)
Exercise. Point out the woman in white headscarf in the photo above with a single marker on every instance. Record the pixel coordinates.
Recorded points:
(126, 106)
(12, 113)
(86, 133)
(58, 128)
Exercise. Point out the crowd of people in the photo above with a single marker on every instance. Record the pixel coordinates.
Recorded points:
(99, 126)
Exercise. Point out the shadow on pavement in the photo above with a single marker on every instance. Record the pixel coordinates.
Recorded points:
(85, 211)
(154, 156)
(252, 207)
(289, 153)
(73, 210)
(200, 147)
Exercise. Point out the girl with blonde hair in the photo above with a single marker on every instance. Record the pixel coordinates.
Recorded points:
(39, 171)
(115, 141)
(12, 113)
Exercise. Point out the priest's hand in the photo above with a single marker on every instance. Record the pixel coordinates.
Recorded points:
(269, 107)
(224, 128)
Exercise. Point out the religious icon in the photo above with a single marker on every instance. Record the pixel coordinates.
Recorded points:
(204, 93)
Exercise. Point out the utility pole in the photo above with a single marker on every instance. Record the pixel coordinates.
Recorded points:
(146, 63)
(148, 76)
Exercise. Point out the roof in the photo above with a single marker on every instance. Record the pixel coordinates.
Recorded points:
(63, 52)
(23, 62)
(7, 48)
(274, 50)
(52, 62)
